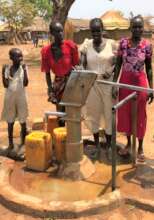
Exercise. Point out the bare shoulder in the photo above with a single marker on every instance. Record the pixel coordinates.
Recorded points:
(5, 67)
(85, 45)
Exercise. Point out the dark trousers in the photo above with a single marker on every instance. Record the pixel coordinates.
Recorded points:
(60, 108)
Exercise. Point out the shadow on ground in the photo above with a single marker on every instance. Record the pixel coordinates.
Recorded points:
(143, 175)
(104, 156)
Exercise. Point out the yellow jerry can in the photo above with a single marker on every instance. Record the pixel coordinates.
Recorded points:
(59, 139)
(38, 150)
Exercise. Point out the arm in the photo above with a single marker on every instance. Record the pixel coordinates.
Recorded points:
(4, 79)
(25, 81)
(111, 69)
(117, 68)
(83, 60)
(75, 55)
(49, 82)
(116, 71)
(45, 67)
(83, 53)
(148, 67)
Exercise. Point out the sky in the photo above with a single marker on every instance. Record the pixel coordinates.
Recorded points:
(96, 8)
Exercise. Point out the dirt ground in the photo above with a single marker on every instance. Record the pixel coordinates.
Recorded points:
(37, 100)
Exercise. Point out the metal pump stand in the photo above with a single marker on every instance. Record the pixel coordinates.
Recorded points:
(114, 147)
(132, 96)
(74, 97)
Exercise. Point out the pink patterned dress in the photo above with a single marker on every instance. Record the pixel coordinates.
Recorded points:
(133, 73)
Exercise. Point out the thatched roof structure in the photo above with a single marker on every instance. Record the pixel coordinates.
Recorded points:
(79, 24)
(4, 27)
(147, 24)
(114, 20)
(74, 27)
(39, 24)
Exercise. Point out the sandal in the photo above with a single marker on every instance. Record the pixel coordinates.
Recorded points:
(123, 151)
(141, 157)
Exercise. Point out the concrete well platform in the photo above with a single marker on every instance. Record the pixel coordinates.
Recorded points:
(45, 195)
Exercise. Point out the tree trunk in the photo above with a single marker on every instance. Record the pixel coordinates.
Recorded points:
(60, 9)
(12, 37)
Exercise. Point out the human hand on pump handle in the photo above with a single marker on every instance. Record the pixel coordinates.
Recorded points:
(106, 75)
(51, 96)
(150, 96)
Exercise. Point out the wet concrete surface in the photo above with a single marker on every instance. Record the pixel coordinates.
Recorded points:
(137, 181)
(47, 186)
(24, 181)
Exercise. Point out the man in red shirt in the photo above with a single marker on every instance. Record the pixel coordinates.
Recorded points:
(59, 57)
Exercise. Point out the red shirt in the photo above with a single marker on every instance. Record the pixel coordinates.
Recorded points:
(64, 65)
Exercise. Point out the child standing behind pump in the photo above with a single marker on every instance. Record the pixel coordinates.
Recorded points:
(15, 79)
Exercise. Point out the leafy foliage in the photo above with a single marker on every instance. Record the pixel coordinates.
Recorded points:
(43, 7)
(17, 13)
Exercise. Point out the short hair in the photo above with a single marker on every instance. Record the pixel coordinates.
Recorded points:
(52, 26)
(95, 21)
(13, 51)
(135, 18)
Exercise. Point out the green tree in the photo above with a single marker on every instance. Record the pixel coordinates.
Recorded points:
(43, 7)
(18, 14)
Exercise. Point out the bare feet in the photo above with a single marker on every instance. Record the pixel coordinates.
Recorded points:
(12, 152)
(21, 152)
(10, 148)
(140, 156)
(124, 151)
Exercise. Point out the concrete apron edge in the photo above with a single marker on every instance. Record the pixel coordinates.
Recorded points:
(144, 204)
(27, 204)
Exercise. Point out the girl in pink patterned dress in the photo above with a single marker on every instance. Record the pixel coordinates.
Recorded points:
(133, 55)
